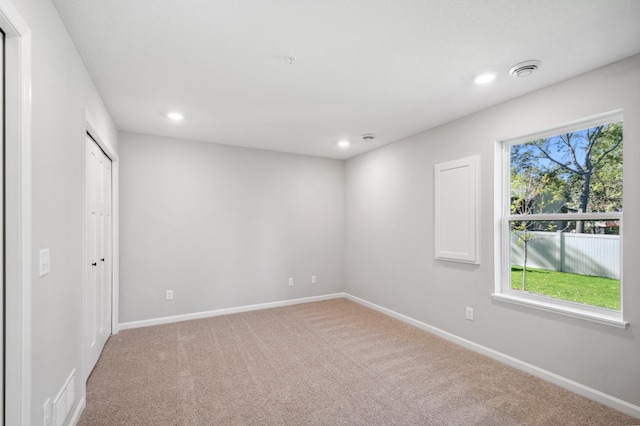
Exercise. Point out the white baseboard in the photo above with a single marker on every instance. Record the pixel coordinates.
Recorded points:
(227, 311)
(76, 414)
(563, 382)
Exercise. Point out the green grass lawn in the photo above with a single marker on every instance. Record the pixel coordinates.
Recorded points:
(596, 291)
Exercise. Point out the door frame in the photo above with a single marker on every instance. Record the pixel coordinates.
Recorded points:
(90, 128)
(17, 398)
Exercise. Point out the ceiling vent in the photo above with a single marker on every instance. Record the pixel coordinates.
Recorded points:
(368, 137)
(524, 69)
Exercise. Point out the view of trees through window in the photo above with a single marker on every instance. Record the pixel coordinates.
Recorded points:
(574, 254)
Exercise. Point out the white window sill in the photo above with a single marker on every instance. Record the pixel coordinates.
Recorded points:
(613, 319)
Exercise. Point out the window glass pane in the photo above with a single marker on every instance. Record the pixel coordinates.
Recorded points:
(550, 258)
(575, 172)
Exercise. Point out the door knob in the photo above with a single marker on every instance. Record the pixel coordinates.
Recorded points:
(94, 264)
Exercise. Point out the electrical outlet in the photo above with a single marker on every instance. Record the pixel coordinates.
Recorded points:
(46, 412)
(290, 282)
(313, 279)
(169, 294)
(469, 313)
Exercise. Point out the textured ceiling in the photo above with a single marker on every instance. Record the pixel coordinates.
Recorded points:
(392, 68)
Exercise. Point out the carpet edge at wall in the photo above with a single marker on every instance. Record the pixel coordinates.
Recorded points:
(578, 388)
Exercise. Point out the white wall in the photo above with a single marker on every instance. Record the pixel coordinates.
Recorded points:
(224, 226)
(389, 235)
(61, 90)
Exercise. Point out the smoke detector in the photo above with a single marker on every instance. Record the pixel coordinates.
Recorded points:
(368, 137)
(524, 69)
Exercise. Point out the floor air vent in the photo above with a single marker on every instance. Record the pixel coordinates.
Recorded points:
(65, 399)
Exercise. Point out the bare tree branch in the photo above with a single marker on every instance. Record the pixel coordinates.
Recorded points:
(593, 138)
(562, 165)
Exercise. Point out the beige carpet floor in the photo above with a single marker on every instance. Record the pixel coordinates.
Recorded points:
(326, 363)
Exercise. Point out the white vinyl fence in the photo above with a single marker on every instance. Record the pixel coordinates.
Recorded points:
(584, 254)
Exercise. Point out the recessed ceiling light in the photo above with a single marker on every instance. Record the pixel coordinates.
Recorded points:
(344, 143)
(484, 78)
(175, 116)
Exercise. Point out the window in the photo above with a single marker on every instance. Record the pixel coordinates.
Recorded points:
(560, 220)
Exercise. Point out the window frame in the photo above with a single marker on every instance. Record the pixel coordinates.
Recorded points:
(503, 217)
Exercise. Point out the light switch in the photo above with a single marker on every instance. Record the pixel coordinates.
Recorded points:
(45, 262)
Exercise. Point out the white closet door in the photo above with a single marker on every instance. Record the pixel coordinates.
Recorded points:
(98, 285)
